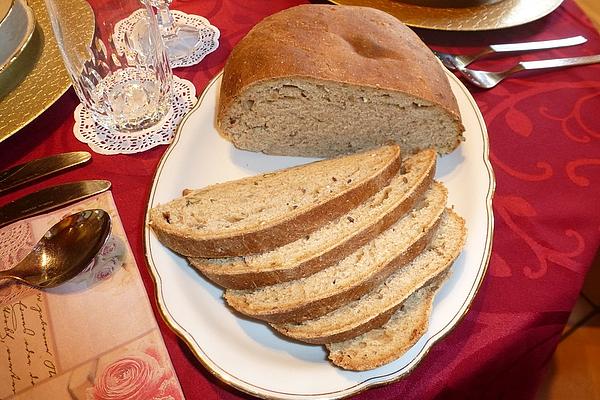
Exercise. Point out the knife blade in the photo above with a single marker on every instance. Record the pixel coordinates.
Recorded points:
(49, 199)
(36, 169)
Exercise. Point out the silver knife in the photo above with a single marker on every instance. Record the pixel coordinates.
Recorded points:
(49, 199)
(36, 169)
(454, 61)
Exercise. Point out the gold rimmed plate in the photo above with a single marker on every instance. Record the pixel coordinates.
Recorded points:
(19, 44)
(247, 354)
(486, 16)
(42, 77)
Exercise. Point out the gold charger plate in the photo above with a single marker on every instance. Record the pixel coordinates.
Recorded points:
(48, 79)
(503, 14)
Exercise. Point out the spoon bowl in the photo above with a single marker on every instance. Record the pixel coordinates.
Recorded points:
(64, 251)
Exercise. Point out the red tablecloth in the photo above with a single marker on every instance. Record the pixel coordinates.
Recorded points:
(545, 149)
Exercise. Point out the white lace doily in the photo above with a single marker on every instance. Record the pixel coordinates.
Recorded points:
(104, 141)
(209, 34)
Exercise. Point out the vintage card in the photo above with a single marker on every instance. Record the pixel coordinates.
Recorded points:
(94, 337)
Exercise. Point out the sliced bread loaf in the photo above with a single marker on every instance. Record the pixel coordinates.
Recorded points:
(376, 307)
(321, 80)
(389, 342)
(259, 213)
(350, 278)
(333, 241)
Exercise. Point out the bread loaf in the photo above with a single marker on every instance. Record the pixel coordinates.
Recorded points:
(259, 213)
(374, 308)
(350, 278)
(333, 241)
(322, 80)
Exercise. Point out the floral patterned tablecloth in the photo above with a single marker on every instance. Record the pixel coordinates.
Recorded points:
(544, 131)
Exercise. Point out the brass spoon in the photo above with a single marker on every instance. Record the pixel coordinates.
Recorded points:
(64, 251)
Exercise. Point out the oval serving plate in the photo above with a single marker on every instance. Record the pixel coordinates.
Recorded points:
(247, 354)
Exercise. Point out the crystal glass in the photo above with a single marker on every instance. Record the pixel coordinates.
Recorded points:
(124, 81)
(181, 40)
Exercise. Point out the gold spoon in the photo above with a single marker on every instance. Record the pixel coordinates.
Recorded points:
(64, 251)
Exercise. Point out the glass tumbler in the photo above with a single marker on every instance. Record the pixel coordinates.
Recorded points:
(123, 79)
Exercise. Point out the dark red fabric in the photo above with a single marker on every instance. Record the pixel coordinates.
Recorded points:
(544, 133)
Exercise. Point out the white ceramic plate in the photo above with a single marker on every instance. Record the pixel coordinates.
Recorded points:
(15, 31)
(248, 355)
(5, 7)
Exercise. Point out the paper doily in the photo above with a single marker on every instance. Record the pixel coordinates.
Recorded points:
(209, 34)
(104, 141)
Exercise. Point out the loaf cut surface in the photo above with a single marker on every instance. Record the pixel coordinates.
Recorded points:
(320, 80)
(374, 308)
(333, 241)
(350, 278)
(259, 213)
(389, 342)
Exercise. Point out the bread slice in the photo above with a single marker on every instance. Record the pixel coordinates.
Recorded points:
(259, 213)
(322, 80)
(350, 278)
(389, 342)
(332, 242)
(376, 307)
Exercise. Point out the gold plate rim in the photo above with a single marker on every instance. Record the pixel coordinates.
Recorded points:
(251, 389)
(17, 108)
(8, 5)
(509, 13)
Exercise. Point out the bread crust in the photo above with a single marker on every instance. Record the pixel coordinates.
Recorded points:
(364, 360)
(277, 233)
(342, 332)
(316, 308)
(378, 321)
(322, 43)
(375, 361)
(373, 323)
(255, 279)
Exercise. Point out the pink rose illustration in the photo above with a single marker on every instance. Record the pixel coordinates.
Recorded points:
(109, 247)
(104, 273)
(134, 377)
(109, 259)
